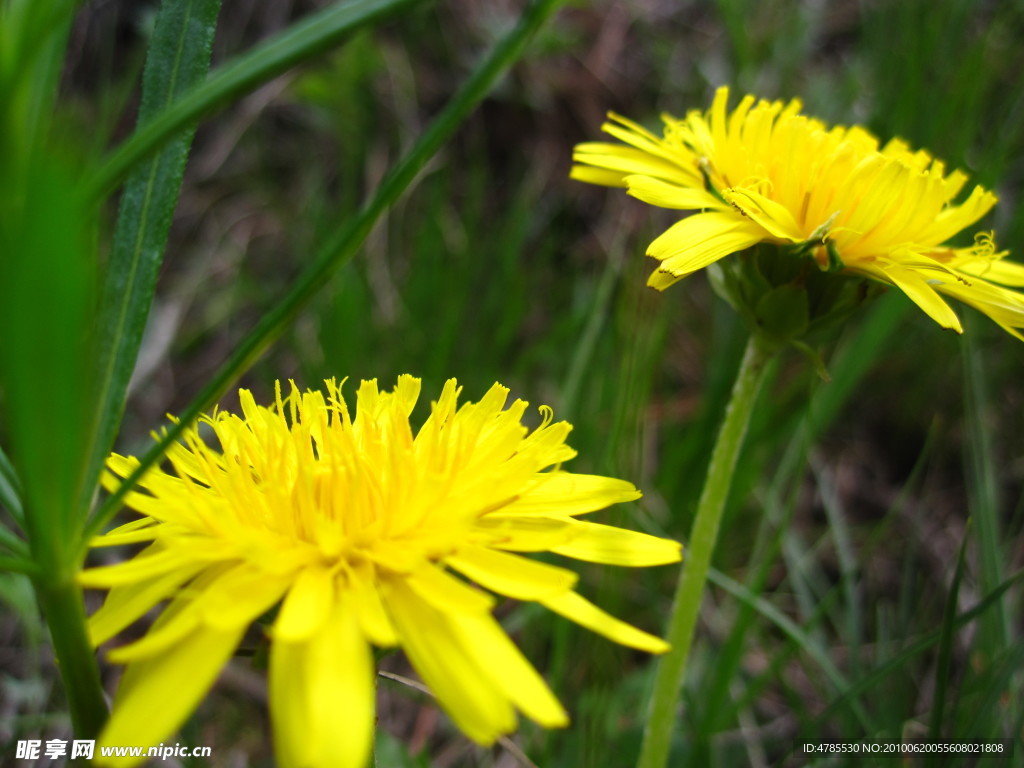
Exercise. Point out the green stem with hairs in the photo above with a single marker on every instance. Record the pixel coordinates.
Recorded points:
(60, 599)
(661, 716)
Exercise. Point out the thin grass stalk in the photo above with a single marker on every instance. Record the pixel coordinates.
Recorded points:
(848, 570)
(943, 665)
(920, 645)
(671, 671)
(10, 491)
(984, 491)
(584, 350)
(767, 544)
(11, 542)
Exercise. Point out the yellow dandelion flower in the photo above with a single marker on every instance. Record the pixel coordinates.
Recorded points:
(356, 527)
(765, 173)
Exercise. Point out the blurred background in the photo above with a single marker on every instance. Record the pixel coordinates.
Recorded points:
(832, 613)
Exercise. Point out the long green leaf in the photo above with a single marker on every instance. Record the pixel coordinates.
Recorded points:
(299, 42)
(47, 314)
(347, 241)
(46, 305)
(33, 34)
(178, 58)
(47, 308)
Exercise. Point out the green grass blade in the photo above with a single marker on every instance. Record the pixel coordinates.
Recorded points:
(33, 36)
(584, 349)
(839, 527)
(299, 42)
(10, 541)
(10, 489)
(178, 58)
(944, 664)
(989, 716)
(18, 565)
(348, 239)
(792, 630)
(773, 525)
(983, 487)
(917, 647)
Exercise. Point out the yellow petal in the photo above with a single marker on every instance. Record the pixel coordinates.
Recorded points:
(364, 597)
(240, 596)
(566, 493)
(223, 598)
(126, 603)
(509, 670)
(660, 279)
(157, 694)
(142, 529)
(618, 546)
(703, 239)
(178, 620)
(310, 600)
(628, 161)
(600, 176)
(665, 195)
(1004, 306)
(956, 217)
(122, 466)
(140, 568)
(770, 215)
(406, 393)
(634, 134)
(523, 533)
(322, 696)
(511, 575)
(439, 656)
(1000, 271)
(289, 704)
(922, 294)
(580, 610)
(447, 593)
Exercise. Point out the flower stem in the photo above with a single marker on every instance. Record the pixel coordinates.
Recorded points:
(61, 601)
(697, 559)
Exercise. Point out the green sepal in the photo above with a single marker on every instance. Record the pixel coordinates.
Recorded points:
(835, 263)
(783, 293)
(813, 357)
(782, 313)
